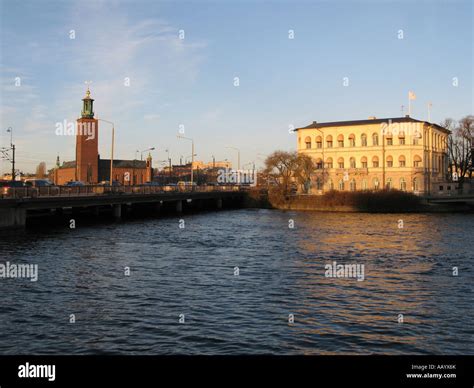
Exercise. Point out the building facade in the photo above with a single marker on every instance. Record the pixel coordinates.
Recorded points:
(394, 153)
(88, 166)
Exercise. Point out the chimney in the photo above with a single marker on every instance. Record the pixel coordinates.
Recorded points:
(407, 116)
(315, 122)
(372, 118)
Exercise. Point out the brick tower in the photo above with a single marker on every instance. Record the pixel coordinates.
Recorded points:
(87, 143)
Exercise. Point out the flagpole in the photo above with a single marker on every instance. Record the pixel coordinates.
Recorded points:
(409, 104)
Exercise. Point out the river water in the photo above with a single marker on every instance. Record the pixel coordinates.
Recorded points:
(84, 303)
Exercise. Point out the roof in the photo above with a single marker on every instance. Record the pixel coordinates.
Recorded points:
(118, 163)
(405, 119)
(68, 164)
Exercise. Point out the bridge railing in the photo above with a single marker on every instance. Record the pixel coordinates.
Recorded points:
(92, 190)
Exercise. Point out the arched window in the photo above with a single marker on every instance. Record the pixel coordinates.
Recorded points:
(319, 142)
(415, 184)
(389, 184)
(353, 185)
(376, 183)
(319, 184)
(330, 184)
(403, 184)
(389, 139)
(364, 184)
(401, 161)
(307, 141)
(416, 161)
(375, 139)
(375, 161)
(401, 138)
(340, 162)
(340, 141)
(352, 162)
(363, 160)
(389, 161)
(341, 185)
(329, 163)
(352, 140)
(329, 141)
(363, 140)
(319, 163)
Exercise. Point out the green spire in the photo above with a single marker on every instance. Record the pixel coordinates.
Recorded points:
(87, 107)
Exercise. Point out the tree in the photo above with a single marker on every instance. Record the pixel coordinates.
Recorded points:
(279, 170)
(41, 170)
(460, 143)
(304, 169)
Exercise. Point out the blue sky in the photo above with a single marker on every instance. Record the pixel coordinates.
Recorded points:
(190, 81)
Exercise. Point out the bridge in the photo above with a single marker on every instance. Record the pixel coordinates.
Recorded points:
(17, 204)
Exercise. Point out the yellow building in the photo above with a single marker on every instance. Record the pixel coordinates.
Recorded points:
(400, 153)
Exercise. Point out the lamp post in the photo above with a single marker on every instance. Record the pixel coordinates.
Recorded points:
(148, 149)
(238, 156)
(112, 149)
(192, 157)
(12, 147)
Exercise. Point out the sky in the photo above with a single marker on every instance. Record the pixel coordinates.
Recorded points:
(231, 73)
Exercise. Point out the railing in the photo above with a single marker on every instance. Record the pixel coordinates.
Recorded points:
(93, 190)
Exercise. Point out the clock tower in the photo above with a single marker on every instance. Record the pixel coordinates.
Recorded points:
(87, 143)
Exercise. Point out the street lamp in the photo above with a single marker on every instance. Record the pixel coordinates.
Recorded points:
(192, 155)
(148, 149)
(238, 156)
(12, 147)
(112, 149)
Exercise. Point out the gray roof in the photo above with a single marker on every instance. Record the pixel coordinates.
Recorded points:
(371, 121)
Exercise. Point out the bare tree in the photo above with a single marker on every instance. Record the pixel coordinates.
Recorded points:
(304, 169)
(41, 170)
(279, 170)
(460, 143)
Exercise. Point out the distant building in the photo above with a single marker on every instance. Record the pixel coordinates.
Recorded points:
(88, 166)
(400, 153)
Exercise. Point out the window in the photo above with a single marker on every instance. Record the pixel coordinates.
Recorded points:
(389, 184)
(363, 140)
(329, 162)
(415, 184)
(352, 162)
(341, 185)
(319, 163)
(352, 140)
(329, 141)
(330, 184)
(375, 139)
(340, 141)
(340, 162)
(389, 140)
(307, 141)
(416, 161)
(319, 184)
(375, 161)
(353, 185)
(402, 161)
(364, 162)
(364, 184)
(319, 142)
(401, 138)
(376, 183)
(403, 184)
(389, 161)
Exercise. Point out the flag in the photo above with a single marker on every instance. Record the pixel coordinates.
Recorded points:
(411, 96)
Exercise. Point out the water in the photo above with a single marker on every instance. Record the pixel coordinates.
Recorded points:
(190, 271)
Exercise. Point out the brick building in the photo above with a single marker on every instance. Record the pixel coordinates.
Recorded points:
(88, 166)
